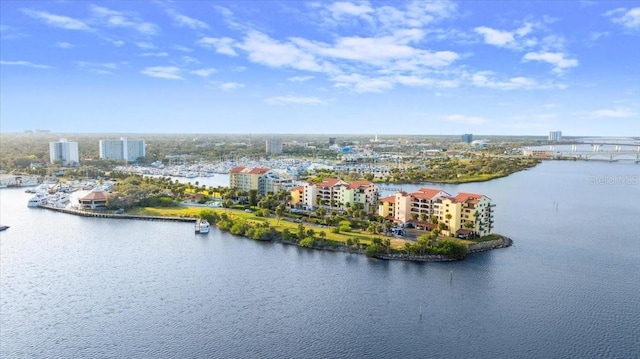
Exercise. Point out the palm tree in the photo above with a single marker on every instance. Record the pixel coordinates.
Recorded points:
(407, 247)
(279, 212)
(323, 236)
(387, 243)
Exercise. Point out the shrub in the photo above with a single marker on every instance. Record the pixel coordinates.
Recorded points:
(307, 242)
(451, 248)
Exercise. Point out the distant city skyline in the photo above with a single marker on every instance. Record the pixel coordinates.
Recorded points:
(344, 67)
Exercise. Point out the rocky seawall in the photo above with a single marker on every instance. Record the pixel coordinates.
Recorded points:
(502, 242)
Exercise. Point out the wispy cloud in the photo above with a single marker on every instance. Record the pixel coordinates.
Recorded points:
(163, 72)
(613, 113)
(100, 68)
(145, 45)
(64, 45)
(24, 63)
(112, 18)
(60, 21)
(468, 120)
(204, 72)
(300, 78)
(223, 45)
(10, 32)
(154, 54)
(183, 20)
(294, 100)
(487, 79)
(230, 86)
(629, 18)
(557, 59)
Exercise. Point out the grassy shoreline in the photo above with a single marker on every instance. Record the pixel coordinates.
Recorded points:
(273, 222)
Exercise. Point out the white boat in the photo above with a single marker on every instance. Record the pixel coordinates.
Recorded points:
(202, 226)
(36, 200)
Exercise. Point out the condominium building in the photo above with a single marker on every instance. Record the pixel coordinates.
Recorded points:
(273, 146)
(555, 136)
(462, 214)
(335, 193)
(260, 179)
(122, 149)
(65, 152)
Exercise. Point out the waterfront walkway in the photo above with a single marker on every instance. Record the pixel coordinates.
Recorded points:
(102, 214)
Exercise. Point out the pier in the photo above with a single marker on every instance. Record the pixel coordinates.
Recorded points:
(84, 213)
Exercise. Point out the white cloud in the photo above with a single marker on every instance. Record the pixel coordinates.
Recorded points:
(614, 113)
(154, 54)
(64, 22)
(510, 39)
(300, 78)
(416, 14)
(495, 37)
(230, 86)
(341, 8)
(163, 72)
(182, 48)
(10, 32)
(485, 79)
(145, 45)
(105, 68)
(627, 18)
(264, 50)
(223, 45)
(294, 100)
(64, 45)
(113, 42)
(183, 20)
(556, 59)
(112, 18)
(204, 72)
(360, 83)
(24, 63)
(468, 120)
(187, 60)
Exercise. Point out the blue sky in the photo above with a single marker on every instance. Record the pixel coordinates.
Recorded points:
(360, 67)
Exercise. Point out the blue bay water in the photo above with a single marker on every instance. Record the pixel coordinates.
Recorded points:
(569, 287)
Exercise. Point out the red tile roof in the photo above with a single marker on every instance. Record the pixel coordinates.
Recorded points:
(237, 169)
(299, 189)
(329, 182)
(390, 199)
(358, 184)
(95, 196)
(259, 171)
(468, 197)
(427, 193)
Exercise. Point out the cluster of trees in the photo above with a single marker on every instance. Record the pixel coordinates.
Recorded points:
(446, 169)
(427, 244)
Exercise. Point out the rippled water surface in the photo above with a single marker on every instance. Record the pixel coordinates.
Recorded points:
(569, 287)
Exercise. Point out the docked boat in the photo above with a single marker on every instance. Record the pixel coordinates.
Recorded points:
(202, 226)
(37, 200)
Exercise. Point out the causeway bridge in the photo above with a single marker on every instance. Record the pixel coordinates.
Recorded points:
(618, 153)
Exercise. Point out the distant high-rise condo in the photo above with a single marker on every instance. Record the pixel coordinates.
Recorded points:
(273, 147)
(467, 138)
(122, 149)
(65, 152)
(555, 136)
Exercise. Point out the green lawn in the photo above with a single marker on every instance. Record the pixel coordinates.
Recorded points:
(280, 225)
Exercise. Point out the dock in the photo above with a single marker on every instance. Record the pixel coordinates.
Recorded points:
(84, 213)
